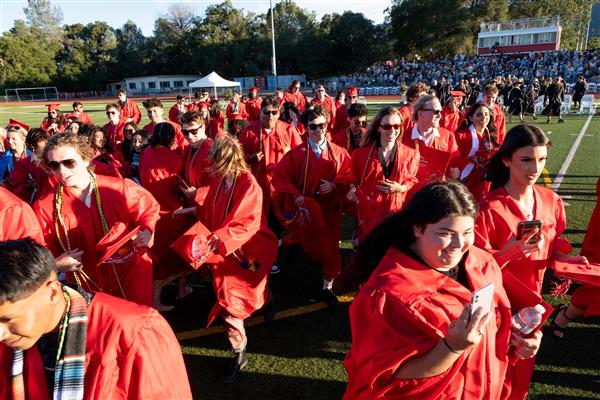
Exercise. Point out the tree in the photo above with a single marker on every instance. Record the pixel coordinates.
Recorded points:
(44, 16)
(131, 58)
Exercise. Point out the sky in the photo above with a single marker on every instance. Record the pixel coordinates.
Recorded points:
(144, 12)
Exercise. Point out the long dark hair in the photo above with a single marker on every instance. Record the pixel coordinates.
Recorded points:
(522, 135)
(429, 205)
(372, 134)
(163, 135)
(490, 126)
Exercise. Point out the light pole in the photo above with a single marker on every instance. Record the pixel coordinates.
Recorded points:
(274, 59)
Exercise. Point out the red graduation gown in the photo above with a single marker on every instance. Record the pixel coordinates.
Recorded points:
(341, 117)
(195, 169)
(122, 201)
(403, 311)
(235, 216)
(499, 121)
(175, 114)
(587, 297)
(341, 139)
(17, 219)
(159, 169)
(298, 98)
(46, 126)
(253, 109)
(24, 170)
(450, 119)
(241, 110)
(180, 141)
(329, 105)
(497, 223)
(292, 179)
(131, 353)
(115, 132)
(275, 145)
(406, 112)
(130, 110)
(367, 173)
(83, 117)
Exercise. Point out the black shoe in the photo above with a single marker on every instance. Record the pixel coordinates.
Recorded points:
(561, 121)
(235, 366)
(330, 298)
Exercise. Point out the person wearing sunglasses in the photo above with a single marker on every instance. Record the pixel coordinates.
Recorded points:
(325, 101)
(55, 122)
(115, 126)
(16, 132)
(413, 93)
(83, 208)
(341, 112)
(129, 111)
(383, 170)
(350, 138)
(295, 95)
(310, 180)
(155, 111)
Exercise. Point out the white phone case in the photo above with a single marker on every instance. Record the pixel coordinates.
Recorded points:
(482, 298)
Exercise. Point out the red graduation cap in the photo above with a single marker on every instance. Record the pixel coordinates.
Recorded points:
(457, 93)
(14, 122)
(203, 104)
(352, 91)
(290, 214)
(584, 273)
(254, 89)
(197, 236)
(116, 246)
(54, 106)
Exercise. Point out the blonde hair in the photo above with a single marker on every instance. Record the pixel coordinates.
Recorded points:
(226, 157)
(79, 143)
(420, 104)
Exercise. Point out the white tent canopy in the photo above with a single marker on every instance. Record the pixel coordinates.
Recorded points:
(213, 80)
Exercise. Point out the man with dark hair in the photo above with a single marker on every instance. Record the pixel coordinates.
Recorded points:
(413, 93)
(155, 111)
(341, 114)
(295, 95)
(115, 125)
(79, 114)
(178, 109)
(578, 91)
(325, 100)
(350, 138)
(130, 112)
(553, 99)
(64, 343)
(253, 104)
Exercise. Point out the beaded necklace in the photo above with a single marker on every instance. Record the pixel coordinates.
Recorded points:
(63, 326)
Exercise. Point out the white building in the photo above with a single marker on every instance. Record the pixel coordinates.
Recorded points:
(157, 84)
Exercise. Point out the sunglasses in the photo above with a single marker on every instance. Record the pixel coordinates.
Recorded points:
(361, 123)
(321, 90)
(272, 112)
(55, 165)
(436, 112)
(313, 127)
(130, 130)
(387, 127)
(187, 132)
(111, 113)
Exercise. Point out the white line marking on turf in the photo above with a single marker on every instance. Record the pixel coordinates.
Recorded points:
(565, 166)
(575, 134)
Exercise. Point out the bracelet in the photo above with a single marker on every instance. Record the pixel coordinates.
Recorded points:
(450, 348)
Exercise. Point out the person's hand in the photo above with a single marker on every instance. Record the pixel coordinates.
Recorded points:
(189, 192)
(516, 249)
(526, 347)
(326, 186)
(467, 330)
(69, 261)
(351, 195)
(299, 201)
(142, 238)
(570, 259)
(257, 157)
(388, 186)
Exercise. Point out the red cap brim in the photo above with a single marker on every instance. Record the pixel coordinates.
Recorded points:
(183, 246)
(584, 273)
(14, 122)
(116, 244)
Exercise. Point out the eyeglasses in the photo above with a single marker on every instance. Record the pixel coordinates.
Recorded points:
(272, 112)
(55, 165)
(313, 127)
(111, 113)
(130, 130)
(187, 132)
(436, 112)
(361, 123)
(387, 127)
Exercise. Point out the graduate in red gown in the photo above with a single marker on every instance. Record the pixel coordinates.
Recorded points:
(515, 197)
(104, 153)
(296, 96)
(214, 118)
(341, 113)
(451, 114)
(327, 103)
(106, 348)
(490, 97)
(17, 219)
(84, 207)
(350, 137)
(414, 335)
(383, 170)
(413, 93)
(178, 109)
(265, 142)
(55, 122)
(115, 125)
(16, 133)
(236, 107)
(130, 111)
(585, 300)
(161, 168)
(427, 132)
(253, 105)
(240, 248)
(313, 179)
(477, 141)
(78, 113)
(155, 111)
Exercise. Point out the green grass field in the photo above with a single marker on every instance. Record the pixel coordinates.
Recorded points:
(300, 354)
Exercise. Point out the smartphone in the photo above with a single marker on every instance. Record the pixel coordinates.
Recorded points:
(182, 182)
(482, 298)
(525, 227)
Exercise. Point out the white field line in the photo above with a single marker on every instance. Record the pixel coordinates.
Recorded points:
(565, 166)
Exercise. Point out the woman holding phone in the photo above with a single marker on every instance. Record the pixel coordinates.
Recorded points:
(414, 335)
(515, 199)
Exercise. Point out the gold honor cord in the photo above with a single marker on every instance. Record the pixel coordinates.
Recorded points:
(59, 222)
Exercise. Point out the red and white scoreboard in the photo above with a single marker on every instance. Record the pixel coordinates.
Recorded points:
(519, 36)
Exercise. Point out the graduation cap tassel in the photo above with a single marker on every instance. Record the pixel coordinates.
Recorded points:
(561, 289)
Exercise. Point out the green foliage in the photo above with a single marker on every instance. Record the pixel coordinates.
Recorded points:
(42, 15)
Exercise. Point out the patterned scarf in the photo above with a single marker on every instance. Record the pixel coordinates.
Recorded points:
(70, 364)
